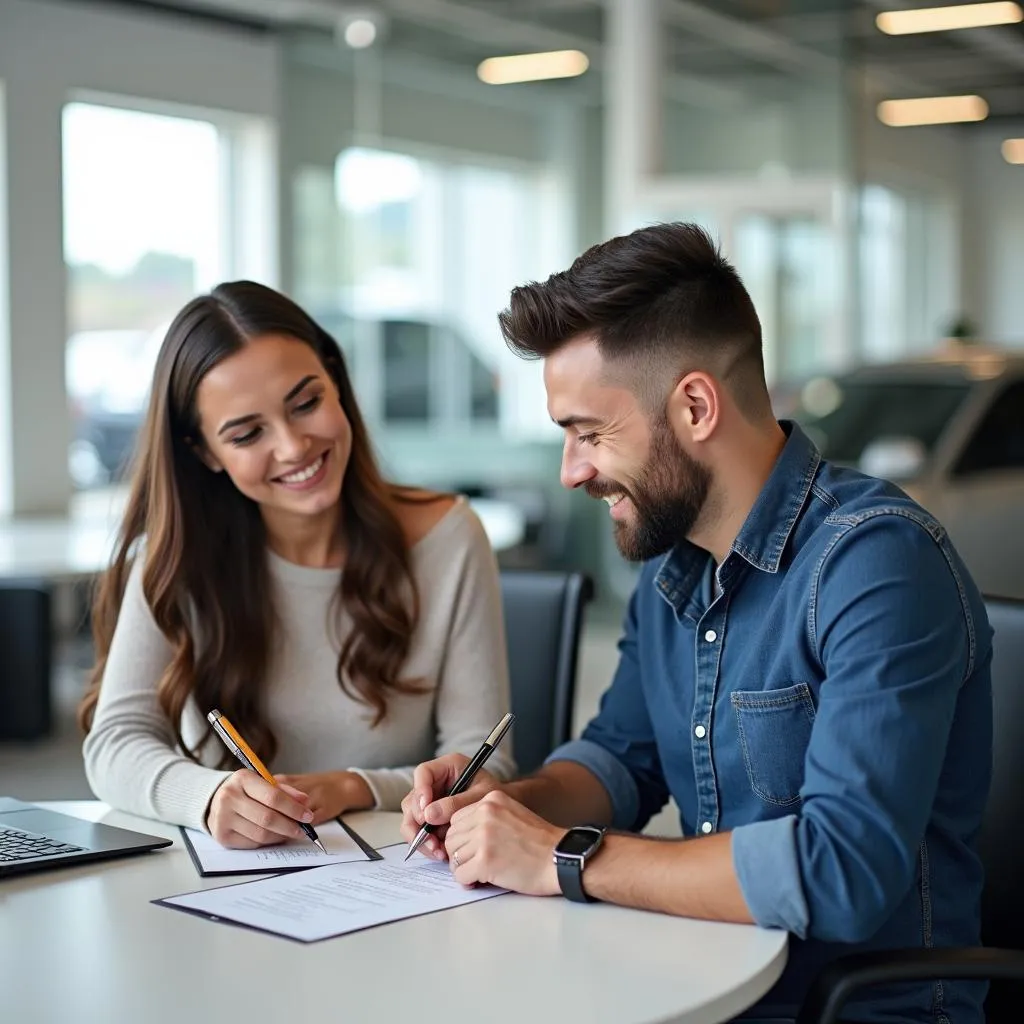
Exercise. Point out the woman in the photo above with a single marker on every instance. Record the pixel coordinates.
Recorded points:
(348, 627)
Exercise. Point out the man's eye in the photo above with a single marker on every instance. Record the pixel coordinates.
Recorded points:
(587, 438)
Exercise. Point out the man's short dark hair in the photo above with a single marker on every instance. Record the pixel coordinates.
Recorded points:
(661, 302)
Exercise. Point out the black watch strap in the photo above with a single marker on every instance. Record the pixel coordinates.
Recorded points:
(572, 852)
(570, 879)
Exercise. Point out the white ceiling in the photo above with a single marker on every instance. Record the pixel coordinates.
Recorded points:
(709, 44)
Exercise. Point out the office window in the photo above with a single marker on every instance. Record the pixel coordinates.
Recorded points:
(6, 452)
(998, 443)
(907, 271)
(412, 257)
(156, 209)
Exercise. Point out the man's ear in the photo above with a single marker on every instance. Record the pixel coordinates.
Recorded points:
(694, 406)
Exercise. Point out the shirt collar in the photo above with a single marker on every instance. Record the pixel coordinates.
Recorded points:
(768, 526)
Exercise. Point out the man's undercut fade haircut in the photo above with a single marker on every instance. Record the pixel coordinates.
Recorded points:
(661, 302)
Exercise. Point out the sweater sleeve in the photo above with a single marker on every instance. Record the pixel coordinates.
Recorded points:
(131, 760)
(473, 684)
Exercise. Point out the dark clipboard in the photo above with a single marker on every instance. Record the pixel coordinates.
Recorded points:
(217, 919)
(368, 850)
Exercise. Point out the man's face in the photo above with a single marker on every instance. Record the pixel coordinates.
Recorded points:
(655, 490)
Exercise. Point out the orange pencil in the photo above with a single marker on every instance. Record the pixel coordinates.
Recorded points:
(234, 742)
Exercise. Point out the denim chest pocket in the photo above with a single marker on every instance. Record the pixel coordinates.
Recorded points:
(774, 730)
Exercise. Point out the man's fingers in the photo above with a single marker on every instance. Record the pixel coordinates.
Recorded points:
(440, 811)
(428, 780)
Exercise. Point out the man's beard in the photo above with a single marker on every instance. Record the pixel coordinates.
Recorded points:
(668, 497)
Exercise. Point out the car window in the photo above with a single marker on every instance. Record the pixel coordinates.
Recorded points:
(844, 416)
(998, 443)
(483, 390)
(406, 371)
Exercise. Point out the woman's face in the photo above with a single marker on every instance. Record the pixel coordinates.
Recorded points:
(271, 418)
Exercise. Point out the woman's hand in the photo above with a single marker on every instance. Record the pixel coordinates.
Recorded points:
(331, 793)
(247, 811)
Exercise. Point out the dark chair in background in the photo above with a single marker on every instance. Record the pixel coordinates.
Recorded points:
(1001, 846)
(543, 617)
(25, 659)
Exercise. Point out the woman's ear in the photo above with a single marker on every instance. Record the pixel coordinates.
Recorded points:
(202, 453)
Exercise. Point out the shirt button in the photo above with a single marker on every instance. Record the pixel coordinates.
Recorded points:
(700, 732)
(711, 636)
(706, 827)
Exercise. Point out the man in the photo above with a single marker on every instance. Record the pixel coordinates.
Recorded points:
(804, 666)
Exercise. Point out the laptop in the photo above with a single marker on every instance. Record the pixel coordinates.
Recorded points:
(33, 839)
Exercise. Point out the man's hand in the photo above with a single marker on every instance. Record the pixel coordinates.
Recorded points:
(426, 801)
(247, 811)
(331, 793)
(498, 841)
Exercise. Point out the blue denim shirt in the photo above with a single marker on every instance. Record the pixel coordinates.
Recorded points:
(831, 706)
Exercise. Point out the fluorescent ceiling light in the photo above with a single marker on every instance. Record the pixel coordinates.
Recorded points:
(532, 67)
(948, 19)
(932, 110)
(1013, 151)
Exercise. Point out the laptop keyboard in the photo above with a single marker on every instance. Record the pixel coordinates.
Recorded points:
(18, 845)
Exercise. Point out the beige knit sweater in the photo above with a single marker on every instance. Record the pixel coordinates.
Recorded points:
(458, 649)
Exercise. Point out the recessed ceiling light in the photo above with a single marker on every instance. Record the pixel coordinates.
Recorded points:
(948, 19)
(360, 33)
(532, 67)
(932, 110)
(1013, 151)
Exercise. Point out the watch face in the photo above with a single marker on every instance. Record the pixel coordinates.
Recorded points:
(577, 841)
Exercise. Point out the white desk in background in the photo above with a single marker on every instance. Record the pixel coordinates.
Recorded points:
(78, 547)
(84, 944)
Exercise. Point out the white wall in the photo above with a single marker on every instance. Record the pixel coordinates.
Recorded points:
(995, 234)
(47, 51)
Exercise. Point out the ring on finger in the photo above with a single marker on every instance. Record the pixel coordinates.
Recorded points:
(455, 857)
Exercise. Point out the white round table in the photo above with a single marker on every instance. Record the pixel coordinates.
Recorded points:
(85, 944)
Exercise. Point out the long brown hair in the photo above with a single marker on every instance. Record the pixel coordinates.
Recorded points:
(205, 575)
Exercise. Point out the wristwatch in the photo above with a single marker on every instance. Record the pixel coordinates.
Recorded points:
(573, 851)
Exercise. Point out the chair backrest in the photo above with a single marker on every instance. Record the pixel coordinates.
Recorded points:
(543, 616)
(1001, 843)
(25, 660)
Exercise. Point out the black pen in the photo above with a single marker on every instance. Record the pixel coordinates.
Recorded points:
(234, 742)
(468, 773)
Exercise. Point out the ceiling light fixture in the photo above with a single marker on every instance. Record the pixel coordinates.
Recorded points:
(532, 67)
(360, 33)
(1013, 151)
(932, 110)
(948, 19)
(359, 28)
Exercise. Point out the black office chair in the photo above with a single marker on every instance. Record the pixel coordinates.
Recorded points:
(543, 616)
(1001, 846)
(25, 660)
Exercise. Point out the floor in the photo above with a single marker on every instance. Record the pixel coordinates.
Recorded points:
(51, 769)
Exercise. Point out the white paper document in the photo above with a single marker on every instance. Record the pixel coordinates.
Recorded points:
(210, 858)
(334, 900)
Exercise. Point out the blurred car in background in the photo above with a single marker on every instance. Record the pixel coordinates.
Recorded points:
(949, 429)
(107, 375)
(407, 371)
